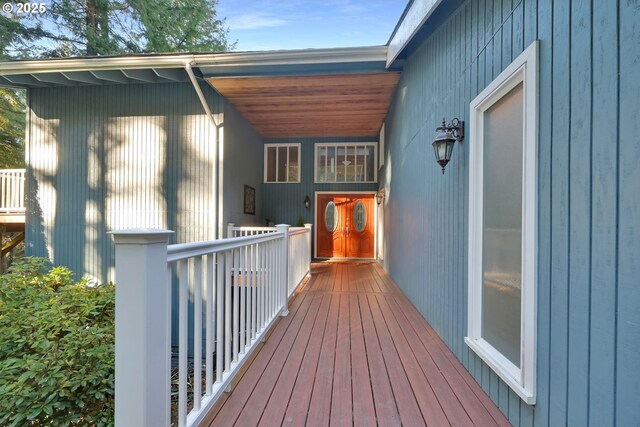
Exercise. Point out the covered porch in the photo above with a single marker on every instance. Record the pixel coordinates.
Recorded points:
(353, 351)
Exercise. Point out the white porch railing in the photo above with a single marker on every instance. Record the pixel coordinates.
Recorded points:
(299, 249)
(241, 285)
(233, 231)
(12, 190)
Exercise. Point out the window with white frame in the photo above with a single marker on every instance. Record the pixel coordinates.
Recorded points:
(281, 163)
(346, 162)
(502, 225)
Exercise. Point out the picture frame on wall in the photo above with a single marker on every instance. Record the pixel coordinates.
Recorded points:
(249, 200)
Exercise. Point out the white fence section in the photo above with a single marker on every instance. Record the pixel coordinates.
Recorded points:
(237, 287)
(12, 190)
(233, 231)
(299, 249)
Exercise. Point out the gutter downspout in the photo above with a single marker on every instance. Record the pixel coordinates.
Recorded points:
(217, 153)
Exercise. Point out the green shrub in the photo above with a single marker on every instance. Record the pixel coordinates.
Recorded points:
(56, 348)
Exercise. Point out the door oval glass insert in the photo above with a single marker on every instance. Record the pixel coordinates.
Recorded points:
(359, 216)
(331, 216)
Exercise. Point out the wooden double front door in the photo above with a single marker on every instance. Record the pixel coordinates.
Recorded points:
(345, 227)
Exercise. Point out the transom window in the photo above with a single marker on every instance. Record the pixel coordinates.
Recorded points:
(282, 163)
(346, 162)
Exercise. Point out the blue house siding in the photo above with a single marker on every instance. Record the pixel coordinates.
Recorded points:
(284, 203)
(242, 165)
(122, 156)
(588, 190)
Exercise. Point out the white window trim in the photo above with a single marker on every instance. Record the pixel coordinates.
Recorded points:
(291, 144)
(381, 147)
(348, 145)
(521, 380)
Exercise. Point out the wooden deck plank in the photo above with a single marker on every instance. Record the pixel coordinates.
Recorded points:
(414, 355)
(320, 406)
(341, 401)
(296, 413)
(233, 407)
(297, 336)
(385, 405)
(408, 407)
(439, 370)
(363, 408)
(276, 406)
(355, 351)
(441, 354)
(445, 381)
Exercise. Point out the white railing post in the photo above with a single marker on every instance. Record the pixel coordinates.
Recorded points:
(230, 230)
(142, 327)
(283, 276)
(309, 248)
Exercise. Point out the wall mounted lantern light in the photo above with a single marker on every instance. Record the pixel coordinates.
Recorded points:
(446, 137)
(380, 196)
(307, 202)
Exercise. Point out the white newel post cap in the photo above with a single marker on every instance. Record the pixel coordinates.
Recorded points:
(141, 236)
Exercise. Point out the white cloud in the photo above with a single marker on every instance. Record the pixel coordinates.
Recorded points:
(254, 20)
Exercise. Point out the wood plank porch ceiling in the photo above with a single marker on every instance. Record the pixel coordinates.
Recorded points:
(354, 351)
(310, 106)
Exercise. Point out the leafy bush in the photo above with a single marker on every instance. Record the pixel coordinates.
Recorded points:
(56, 348)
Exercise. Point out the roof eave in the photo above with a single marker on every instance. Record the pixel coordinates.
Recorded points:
(284, 57)
(412, 20)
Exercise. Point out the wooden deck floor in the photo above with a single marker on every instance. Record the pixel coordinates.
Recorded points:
(354, 351)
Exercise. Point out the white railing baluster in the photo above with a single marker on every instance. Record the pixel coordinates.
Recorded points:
(183, 301)
(243, 283)
(263, 281)
(236, 296)
(228, 265)
(220, 287)
(248, 284)
(197, 333)
(272, 278)
(254, 289)
(242, 287)
(210, 323)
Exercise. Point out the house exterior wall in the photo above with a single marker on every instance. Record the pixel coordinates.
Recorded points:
(588, 316)
(243, 166)
(283, 203)
(113, 157)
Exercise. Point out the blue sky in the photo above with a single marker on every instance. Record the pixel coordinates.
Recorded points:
(299, 24)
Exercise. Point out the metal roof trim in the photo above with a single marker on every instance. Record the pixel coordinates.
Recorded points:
(306, 56)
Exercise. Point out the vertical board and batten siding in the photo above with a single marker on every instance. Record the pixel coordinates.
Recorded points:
(112, 157)
(243, 164)
(588, 196)
(284, 202)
